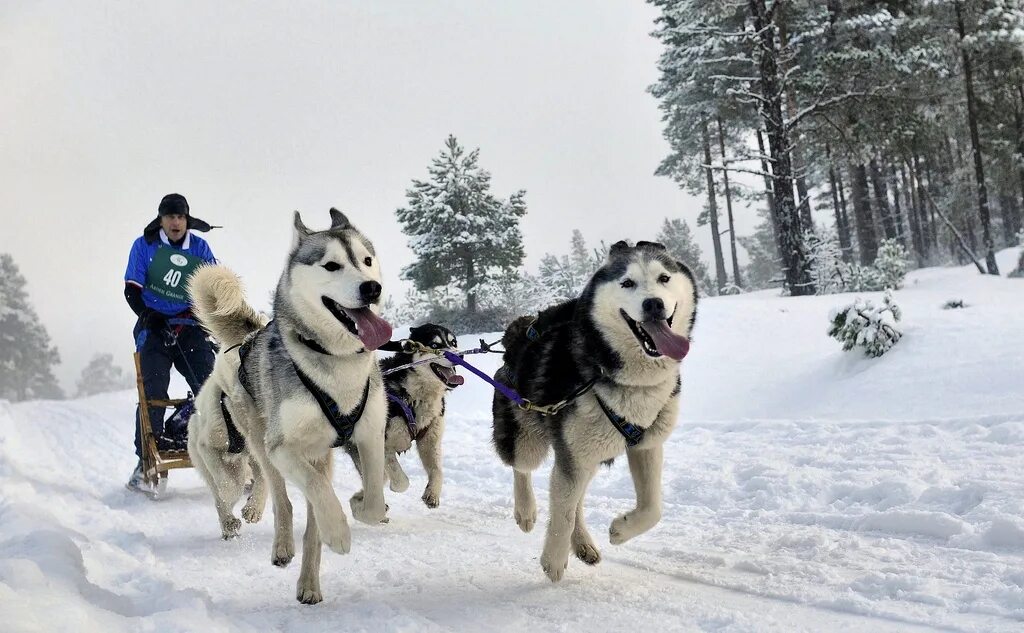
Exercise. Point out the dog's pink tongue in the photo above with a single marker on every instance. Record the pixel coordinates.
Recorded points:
(668, 342)
(373, 330)
(451, 377)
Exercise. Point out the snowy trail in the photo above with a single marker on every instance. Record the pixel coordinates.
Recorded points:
(887, 499)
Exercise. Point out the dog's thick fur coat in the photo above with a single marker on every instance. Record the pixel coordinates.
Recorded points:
(629, 330)
(324, 326)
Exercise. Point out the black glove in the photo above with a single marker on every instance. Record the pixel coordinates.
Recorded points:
(154, 321)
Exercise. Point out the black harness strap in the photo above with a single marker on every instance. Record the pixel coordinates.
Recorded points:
(236, 443)
(243, 376)
(313, 345)
(344, 425)
(633, 433)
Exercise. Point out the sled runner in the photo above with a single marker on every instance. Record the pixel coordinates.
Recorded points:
(155, 462)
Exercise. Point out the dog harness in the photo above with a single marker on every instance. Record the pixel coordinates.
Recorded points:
(344, 424)
(407, 413)
(236, 443)
(633, 433)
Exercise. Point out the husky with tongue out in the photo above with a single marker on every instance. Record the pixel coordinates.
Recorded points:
(286, 393)
(416, 409)
(617, 348)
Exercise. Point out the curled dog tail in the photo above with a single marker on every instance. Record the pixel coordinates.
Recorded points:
(218, 302)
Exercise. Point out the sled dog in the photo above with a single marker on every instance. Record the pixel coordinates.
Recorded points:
(304, 383)
(416, 409)
(625, 336)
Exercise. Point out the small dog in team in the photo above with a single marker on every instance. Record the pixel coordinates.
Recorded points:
(625, 336)
(297, 387)
(416, 408)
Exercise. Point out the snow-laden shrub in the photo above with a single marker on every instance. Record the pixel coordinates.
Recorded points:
(886, 273)
(863, 324)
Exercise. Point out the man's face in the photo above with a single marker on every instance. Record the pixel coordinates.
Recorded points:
(174, 225)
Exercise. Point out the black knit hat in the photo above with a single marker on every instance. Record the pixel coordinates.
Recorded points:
(174, 203)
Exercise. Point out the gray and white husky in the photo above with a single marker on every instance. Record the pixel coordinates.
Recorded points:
(416, 409)
(304, 383)
(626, 333)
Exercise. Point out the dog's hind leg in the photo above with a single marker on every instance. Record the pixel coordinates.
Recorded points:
(313, 477)
(567, 487)
(526, 503)
(307, 590)
(429, 448)
(645, 466)
(394, 473)
(582, 543)
(252, 511)
(221, 480)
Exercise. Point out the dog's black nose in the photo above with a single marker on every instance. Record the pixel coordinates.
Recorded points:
(369, 291)
(654, 309)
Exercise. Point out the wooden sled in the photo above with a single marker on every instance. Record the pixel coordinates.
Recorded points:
(156, 463)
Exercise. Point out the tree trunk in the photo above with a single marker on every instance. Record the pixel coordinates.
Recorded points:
(864, 222)
(979, 169)
(848, 253)
(835, 185)
(1018, 115)
(1011, 211)
(470, 287)
(926, 209)
(769, 195)
(716, 241)
(882, 201)
(915, 222)
(901, 231)
(791, 247)
(728, 206)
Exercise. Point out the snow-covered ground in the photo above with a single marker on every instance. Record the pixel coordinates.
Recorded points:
(806, 489)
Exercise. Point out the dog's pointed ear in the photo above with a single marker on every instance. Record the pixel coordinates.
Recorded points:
(339, 221)
(300, 230)
(651, 245)
(618, 249)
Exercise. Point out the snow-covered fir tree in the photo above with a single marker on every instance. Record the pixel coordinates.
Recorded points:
(101, 375)
(459, 231)
(563, 278)
(874, 328)
(675, 234)
(27, 358)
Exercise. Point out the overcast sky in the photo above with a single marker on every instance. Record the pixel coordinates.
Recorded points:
(252, 110)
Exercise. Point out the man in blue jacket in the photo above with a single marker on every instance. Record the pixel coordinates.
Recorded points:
(166, 333)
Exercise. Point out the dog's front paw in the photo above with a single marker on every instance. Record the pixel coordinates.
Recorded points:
(252, 511)
(229, 529)
(588, 553)
(526, 518)
(335, 533)
(431, 497)
(308, 592)
(364, 512)
(282, 553)
(399, 480)
(554, 566)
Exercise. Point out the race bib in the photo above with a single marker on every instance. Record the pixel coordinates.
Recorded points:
(169, 271)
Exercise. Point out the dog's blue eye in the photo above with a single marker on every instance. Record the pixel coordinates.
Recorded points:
(629, 283)
(368, 261)
(663, 279)
(332, 266)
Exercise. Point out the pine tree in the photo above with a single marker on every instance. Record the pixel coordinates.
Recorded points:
(459, 231)
(678, 240)
(564, 277)
(101, 375)
(26, 356)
